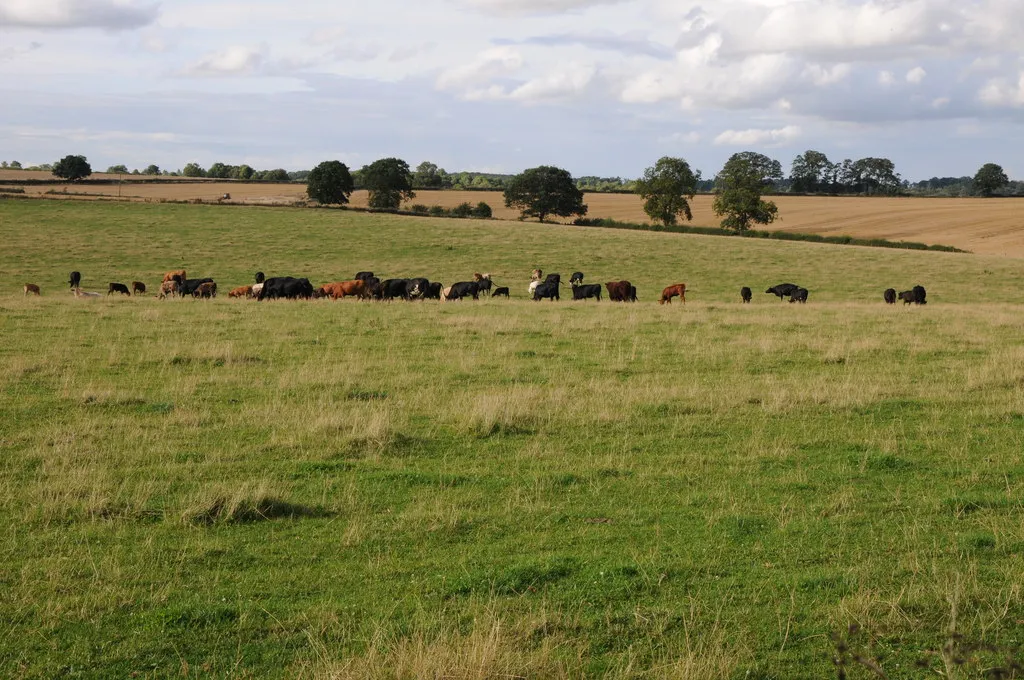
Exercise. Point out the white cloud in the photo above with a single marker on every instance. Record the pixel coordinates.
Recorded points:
(754, 137)
(691, 137)
(886, 78)
(64, 14)
(493, 63)
(566, 83)
(1002, 92)
(235, 60)
(822, 76)
(940, 102)
(535, 6)
(916, 75)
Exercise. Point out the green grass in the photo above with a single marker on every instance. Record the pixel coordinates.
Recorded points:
(501, 488)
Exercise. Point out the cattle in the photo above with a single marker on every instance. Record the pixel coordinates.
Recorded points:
(632, 293)
(32, 288)
(548, 289)
(433, 291)
(444, 293)
(535, 276)
(138, 287)
(168, 289)
(907, 296)
(416, 288)
(591, 290)
(75, 280)
(205, 290)
(799, 295)
(287, 287)
(189, 286)
(533, 287)
(363, 276)
(79, 293)
(783, 290)
(553, 278)
(372, 287)
(260, 277)
(919, 294)
(485, 284)
(746, 294)
(620, 291)
(889, 296)
(178, 275)
(464, 289)
(341, 289)
(669, 293)
(576, 279)
(392, 288)
(241, 291)
(502, 291)
(118, 288)
(256, 289)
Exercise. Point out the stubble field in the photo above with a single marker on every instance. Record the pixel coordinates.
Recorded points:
(501, 488)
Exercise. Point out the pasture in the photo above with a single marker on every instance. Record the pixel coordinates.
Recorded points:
(501, 488)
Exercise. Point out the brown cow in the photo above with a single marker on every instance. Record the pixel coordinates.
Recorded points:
(178, 275)
(241, 291)
(206, 290)
(168, 288)
(670, 292)
(342, 289)
(32, 288)
(138, 287)
(620, 291)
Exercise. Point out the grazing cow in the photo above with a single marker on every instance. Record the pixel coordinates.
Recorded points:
(746, 294)
(890, 296)
(260, 277)
(373, 288)
(620, 291)
(363, 276)
(548, 289)
(485, 284)
(75, 280)
(343, 289)
(189, 286)
(256, 290)
(32, 288)
(392, 288)
(919, 293)
(241, 291)
(535, 276)
(576, 279)
(498, 292)
(118, 288)
(463, 289)
(177, 275)
(287, 287)
(799, 295)
(783, 290)
(591, 290)
(907, 296)
(416, 288)
(168, 288)
(669, 293)
(138, 287)
(205, 290)
(433, 291)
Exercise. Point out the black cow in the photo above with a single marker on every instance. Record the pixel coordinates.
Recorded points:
(890, 296)
(799, 295)
(363, 276)
(548, 289)
(576, 279)
(119, 288)
(632, 294)
(783, 290)
(498, 292)
(485, 285)
(463, 289)
(591, 290)
(919, 293)
(553, 278)
(433, 291)
(746, 294)
(189, 286)
(416, 288)
(260, 277)
(75, 280)
(373, 289)
(392, 288)
(287, 287)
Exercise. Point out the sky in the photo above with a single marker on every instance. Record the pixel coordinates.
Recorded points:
(599, 87)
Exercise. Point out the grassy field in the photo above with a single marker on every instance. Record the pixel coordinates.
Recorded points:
(501, 488)
(984, 226)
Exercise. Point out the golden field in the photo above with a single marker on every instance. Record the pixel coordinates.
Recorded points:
(988, 226)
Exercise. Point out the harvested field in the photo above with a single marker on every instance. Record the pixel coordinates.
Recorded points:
(984, 226)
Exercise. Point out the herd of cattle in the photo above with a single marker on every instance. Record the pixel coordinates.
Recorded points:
(366, 286)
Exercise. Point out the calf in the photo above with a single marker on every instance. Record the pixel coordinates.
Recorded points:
(32, 288)
(576, 279)
(79, 293)
(178, 275)
(189, 286)
(138, 287)
(118, 288)
(168, 288)
(502, 291)
(669, 293)
(620, 291)
(746, 294)
(889, 296)
(799, 295)
(907, 296)
(206, 290)
(241, 291)
(341, 289)
(591, 290)
(75, 280)
(464, 289)
(533, 287)
(783, 290)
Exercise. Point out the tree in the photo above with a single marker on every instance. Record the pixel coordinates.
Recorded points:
(219, 171)
(277, 175)
(117, 170)
(151, 169)
(429, 176)
(15, 165)
(768, 169)
(194, 170)
(667, 189)
(812, 171)
(329, 182)
(990, 178)
(877, 175)
(72, 168)
(389, 182)
(739, 186)
(542, 191)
